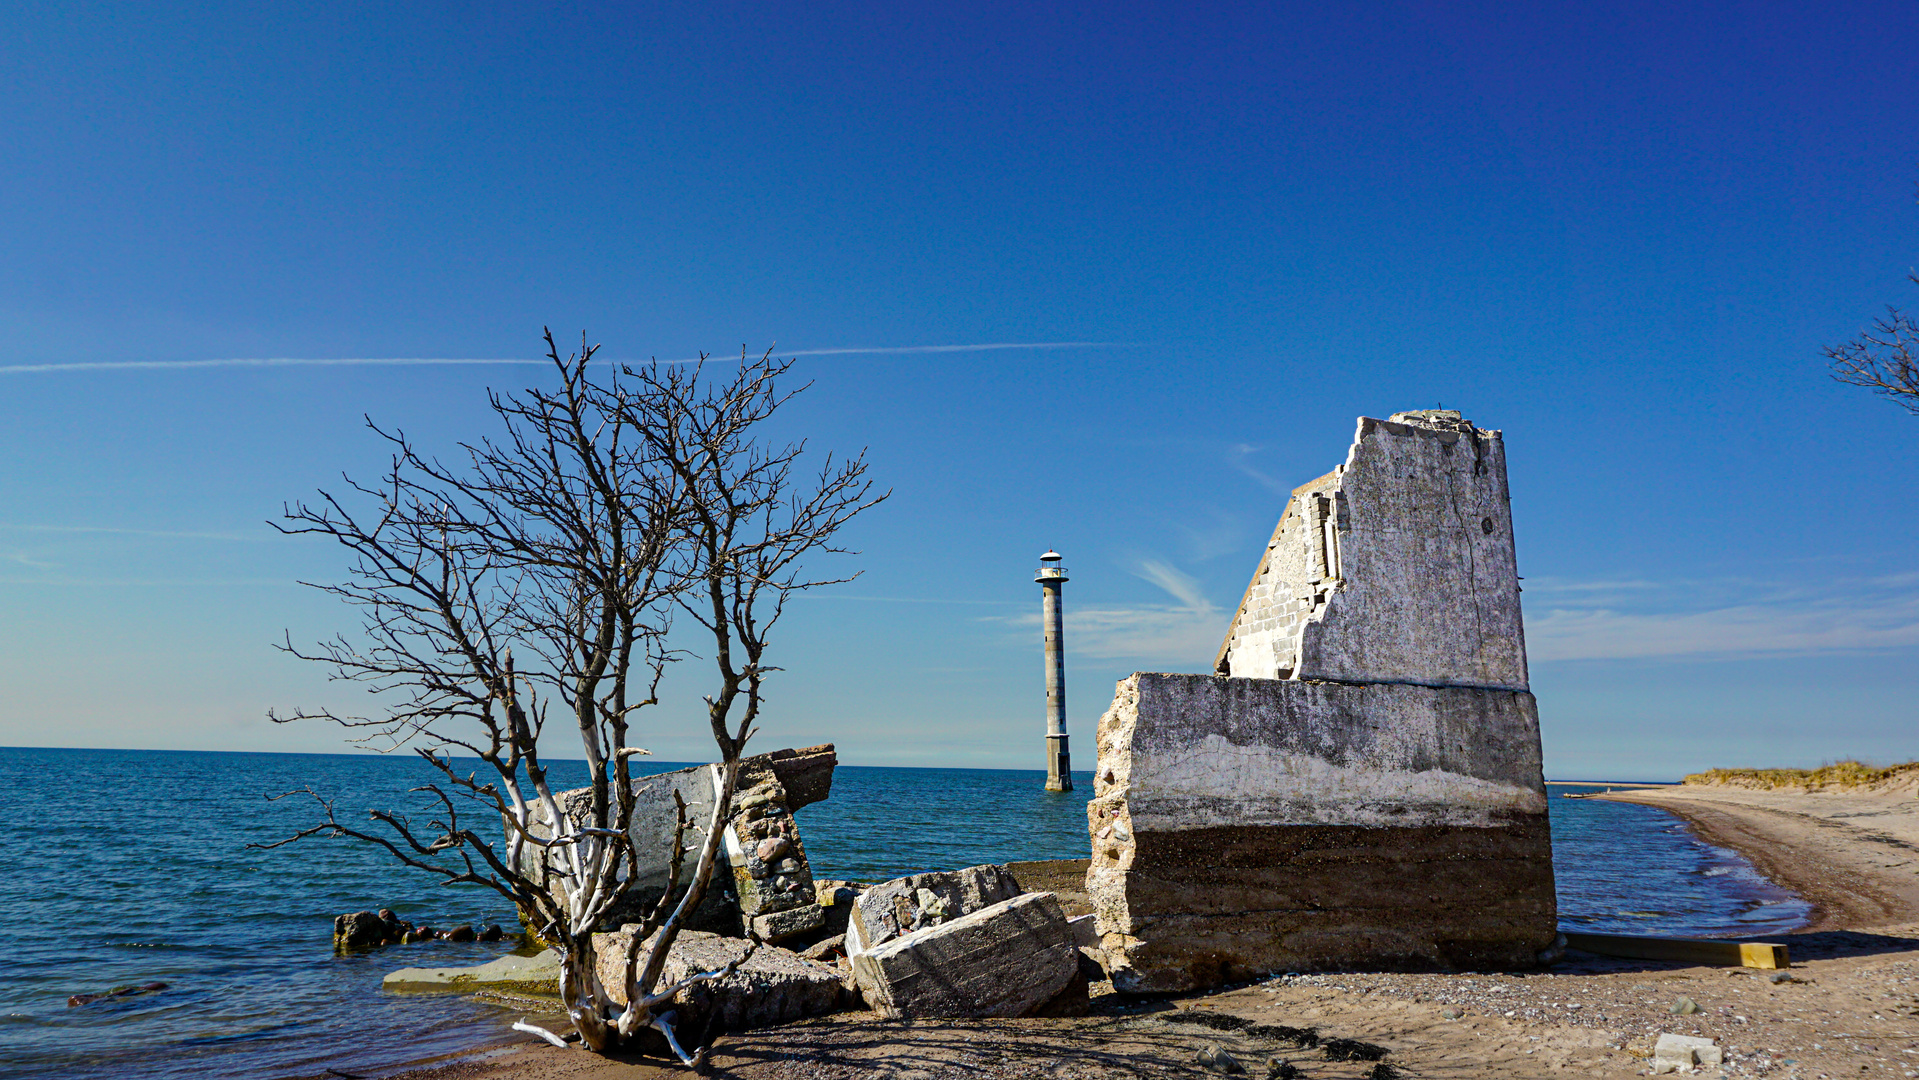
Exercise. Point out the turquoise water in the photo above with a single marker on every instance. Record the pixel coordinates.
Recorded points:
(132, 866)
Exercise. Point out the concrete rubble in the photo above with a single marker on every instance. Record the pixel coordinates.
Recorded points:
(1358, 783)
(886, 911)
(1010, 958)
(765, 885)
(771, 986)
(1675, 1052)
(534, 976)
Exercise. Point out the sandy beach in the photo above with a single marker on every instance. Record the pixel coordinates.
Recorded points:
(1849, 1006)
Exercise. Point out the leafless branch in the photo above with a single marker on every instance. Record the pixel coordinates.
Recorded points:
(535, 576)
(1884, 359)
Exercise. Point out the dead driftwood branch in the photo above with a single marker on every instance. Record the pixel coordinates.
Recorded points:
(535, 575)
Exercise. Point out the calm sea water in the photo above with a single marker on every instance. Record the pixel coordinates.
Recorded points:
(132, 866)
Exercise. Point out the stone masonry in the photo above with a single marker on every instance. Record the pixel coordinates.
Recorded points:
(1397, 566)
(763, 882)
(1359, 785)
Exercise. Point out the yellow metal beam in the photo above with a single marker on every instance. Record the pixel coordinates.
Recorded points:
(1752, 954)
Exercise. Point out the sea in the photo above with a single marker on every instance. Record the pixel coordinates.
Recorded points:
(122, 867)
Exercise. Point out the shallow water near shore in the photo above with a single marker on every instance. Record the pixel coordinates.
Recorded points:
(128, 867)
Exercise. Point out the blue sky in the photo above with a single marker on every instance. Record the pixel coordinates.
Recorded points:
(1620, 233)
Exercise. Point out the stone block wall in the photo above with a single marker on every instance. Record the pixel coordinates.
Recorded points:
(764, 882)
(1248, 826)
(1358, 785)
(1397, 566)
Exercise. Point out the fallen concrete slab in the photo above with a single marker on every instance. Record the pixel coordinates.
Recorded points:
(766, 884)
(771, 986)
(886, 911)
(535, 976)
(1007, 959)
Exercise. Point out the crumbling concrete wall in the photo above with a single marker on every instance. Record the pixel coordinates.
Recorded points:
(765, 882)
(1360, 784)
(1397, 566)
(1247, 826)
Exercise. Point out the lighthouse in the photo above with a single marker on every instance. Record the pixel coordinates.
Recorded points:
(1059, 762)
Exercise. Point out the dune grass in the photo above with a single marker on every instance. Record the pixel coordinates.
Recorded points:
(1838, 776)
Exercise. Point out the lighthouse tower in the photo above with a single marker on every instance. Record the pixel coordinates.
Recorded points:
(1059, 762)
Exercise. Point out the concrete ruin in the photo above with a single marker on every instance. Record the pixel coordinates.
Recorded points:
(1358, 784)
(765, 884)
(962, 943)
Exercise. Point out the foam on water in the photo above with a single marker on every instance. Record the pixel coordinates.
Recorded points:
(127, 867)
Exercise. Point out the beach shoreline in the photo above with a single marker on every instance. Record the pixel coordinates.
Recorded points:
(1849, 1004)
(1853, 856)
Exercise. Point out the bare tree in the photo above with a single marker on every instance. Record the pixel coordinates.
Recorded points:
(600, 509)
(1884, 359)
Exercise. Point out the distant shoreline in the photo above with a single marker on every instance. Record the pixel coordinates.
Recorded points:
(1613, 783)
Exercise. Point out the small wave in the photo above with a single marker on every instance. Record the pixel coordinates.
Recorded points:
(244, 1036)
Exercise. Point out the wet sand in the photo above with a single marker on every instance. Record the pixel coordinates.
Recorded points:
(1851, 1007)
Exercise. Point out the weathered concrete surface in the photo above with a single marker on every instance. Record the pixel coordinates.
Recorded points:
(538, 976)
(771, 876)
(903, 905)
(1397, 566)
(1359, 783)
(772, 986)
(1007, 959)
(1247, 826)
(765, 883)
(1064, 878)
(836, 899)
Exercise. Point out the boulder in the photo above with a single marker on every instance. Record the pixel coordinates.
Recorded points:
(1010, 958)
(771, 986)
(903, 905)
(367, 929)
(78, 1000)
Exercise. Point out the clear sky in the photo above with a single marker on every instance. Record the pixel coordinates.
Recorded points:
(1620, 233)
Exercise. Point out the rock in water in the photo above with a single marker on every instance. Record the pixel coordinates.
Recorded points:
(459, 933)
(78, 1000)
(1007, 959)
(365, 929)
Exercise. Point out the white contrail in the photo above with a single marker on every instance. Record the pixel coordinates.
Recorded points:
(265, 361)
(294, 361)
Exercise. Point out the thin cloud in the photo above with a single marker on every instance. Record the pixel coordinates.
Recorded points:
(260, 361)
(1156, 637)
(111, 531)
(1724, 620)
(1241, 452)
(1179, 585)
(405, 361)
(899, 599)
(151, 583)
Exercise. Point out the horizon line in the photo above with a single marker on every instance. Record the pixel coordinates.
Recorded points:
(410, 361)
